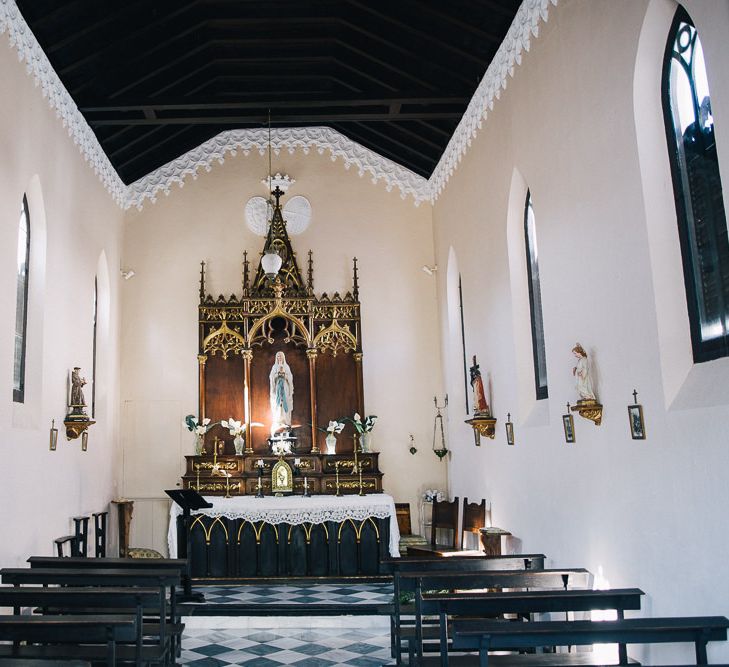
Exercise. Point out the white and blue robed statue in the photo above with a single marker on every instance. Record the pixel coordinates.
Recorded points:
(281, 394)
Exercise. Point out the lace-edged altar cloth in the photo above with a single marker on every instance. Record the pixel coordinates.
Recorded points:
(297, 510)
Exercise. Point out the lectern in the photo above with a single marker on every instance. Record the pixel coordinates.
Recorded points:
(188, 500)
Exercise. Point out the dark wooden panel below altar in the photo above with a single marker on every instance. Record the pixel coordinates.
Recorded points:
(236, 548)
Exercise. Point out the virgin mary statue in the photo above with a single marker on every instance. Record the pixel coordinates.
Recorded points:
(281, 388)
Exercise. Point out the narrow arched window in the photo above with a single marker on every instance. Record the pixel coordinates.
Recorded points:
(21, 304)
(535, 300)
(93, 371)
(463, 339)
(697, 189)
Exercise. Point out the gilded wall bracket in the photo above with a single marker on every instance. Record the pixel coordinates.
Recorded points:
(589, 409)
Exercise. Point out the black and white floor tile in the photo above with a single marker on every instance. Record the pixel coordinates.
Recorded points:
(286, 646)
(306, 594)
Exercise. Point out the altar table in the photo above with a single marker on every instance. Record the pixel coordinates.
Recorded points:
(245, 536)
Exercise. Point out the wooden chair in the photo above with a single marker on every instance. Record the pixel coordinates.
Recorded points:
(445, 517)
(100, 534)
(474, 518)
(81, 533)
(404, 524)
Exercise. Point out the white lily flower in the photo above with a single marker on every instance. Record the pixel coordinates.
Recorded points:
(356, 416)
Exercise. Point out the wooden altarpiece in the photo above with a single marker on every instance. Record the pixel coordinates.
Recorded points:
(322, 342)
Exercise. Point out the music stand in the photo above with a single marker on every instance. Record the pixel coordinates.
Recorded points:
(188, 500)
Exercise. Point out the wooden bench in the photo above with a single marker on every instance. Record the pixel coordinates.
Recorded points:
(444, 579)
(161, 579)
(525, 603)
(486, 636)
(64, 632)
(140, 602)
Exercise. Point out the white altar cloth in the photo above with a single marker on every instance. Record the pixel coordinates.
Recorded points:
(297, 510)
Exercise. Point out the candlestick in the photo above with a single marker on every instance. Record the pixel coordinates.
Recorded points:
(197, 486)
(361, 487)
(259, 486)
(306, 487)
(336, 470)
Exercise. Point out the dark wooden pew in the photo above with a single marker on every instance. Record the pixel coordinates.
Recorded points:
(465, 563)
(422, 580)
(525, 603)
(41, 662)
(161, 579)
(486, 636)
(140, 602)
(65, 633)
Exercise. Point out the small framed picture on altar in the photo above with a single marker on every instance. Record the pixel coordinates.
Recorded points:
(569, 428)
(637, 424)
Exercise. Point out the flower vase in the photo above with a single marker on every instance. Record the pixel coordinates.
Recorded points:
(331, 441)
(239, 443)
(199, 444)
(365, 442)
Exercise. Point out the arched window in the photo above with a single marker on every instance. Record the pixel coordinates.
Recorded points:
(535, 300)
(93, 368)
(21, 304)
(697, 189)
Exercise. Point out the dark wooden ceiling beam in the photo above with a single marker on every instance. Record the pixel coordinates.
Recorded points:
(404, 25)
(405, 146)
(154, 147)
(467, 26)
(100, 55)
(279, 119)
(418, 136)
(108, 17)
(416, 164)
(182, 105)
(434, 128)
(147, 133)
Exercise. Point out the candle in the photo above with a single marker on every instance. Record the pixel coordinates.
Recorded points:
(297, 462)
(259, 463)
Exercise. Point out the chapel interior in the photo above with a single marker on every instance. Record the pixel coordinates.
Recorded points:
(493, 229)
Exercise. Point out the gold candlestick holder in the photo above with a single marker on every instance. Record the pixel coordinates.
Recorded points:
(361, 486)
(336, 479)
(227, 485)
(197, 482)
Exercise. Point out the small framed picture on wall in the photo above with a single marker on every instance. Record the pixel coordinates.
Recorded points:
(637, 423)
(569, 428)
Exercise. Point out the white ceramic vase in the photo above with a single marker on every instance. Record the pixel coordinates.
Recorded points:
(199, 443)
(331, 441)
(239, 443)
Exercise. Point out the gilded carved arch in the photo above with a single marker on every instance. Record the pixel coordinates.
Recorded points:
(224, 340)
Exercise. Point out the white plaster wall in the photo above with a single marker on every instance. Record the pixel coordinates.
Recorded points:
(644, 513)
(73, 221)
(164, 245)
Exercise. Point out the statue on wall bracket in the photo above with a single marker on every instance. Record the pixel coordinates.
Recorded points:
(482, 422)
(587, 403)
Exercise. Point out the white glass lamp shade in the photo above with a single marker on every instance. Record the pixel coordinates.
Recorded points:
(271, 263)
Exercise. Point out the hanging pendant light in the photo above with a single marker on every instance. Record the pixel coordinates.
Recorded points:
(271, 261)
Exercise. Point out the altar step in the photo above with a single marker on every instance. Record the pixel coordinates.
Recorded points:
(294, 599)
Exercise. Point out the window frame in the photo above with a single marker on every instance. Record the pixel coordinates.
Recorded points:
(541, 390)
(718, 347)
(19, 393)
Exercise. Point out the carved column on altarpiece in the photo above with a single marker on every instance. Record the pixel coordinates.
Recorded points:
(311, 355)
(360, 382)
(247, 355)
(201, 360)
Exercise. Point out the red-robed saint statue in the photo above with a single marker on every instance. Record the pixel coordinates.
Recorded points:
(480, 404)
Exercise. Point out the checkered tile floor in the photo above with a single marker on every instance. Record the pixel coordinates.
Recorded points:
(304, 648)
(330, 594)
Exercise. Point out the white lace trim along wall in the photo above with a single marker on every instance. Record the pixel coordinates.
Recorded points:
(518, 39)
